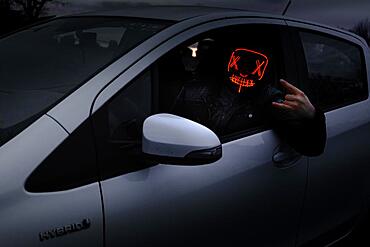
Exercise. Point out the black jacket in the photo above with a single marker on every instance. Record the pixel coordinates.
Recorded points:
(225, 111)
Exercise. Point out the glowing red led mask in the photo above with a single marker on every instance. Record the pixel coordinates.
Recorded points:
(246, 67)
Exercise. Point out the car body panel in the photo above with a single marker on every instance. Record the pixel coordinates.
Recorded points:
(335, 186)
(172, 13)
(336, 177)
(241, 197)
(366, 184)
(25, 215)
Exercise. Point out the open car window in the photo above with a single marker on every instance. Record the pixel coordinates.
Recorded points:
(222, 79)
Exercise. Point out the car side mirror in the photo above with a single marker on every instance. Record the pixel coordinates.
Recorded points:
(170, 139)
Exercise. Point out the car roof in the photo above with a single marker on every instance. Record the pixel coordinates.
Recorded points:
(179, 13)
(170, 13)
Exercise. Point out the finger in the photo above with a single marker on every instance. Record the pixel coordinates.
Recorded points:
(282, 106)
(292, 104)
(292, 97)
(290, 88)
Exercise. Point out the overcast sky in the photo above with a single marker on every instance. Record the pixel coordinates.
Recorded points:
(339, 13)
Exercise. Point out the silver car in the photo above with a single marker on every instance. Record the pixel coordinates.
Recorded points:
(94, 150)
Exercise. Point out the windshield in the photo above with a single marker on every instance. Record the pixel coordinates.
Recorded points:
(42, 64)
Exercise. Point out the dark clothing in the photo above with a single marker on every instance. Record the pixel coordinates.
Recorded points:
(226, 111)
(306, 136)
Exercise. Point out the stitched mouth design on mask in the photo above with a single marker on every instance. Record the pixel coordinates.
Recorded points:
(242, 82)
(246, 67)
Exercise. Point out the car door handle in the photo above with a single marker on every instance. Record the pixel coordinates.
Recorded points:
(285, 157)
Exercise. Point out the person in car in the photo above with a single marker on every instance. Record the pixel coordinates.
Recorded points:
(212, 100)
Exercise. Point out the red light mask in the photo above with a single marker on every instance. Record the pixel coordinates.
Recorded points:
(246, 67)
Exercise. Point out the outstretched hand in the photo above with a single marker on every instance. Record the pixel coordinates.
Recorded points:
(296, 102)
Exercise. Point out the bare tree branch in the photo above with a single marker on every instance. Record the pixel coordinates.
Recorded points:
(31, 8)
(363, 29)
(5, 6)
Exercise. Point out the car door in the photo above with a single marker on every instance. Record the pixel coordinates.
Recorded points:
(333, 72)
(244, 198)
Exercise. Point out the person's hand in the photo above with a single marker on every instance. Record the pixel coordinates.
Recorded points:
(296, 103)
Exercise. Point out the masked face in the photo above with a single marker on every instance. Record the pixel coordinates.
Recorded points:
(246, 67)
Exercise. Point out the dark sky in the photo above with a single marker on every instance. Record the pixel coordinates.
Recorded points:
(338, 13)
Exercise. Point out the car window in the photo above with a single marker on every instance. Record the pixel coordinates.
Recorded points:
(220, 79)
(71, 165)
(211, 79)
(335, 70)
(42, 64)
(118, 127)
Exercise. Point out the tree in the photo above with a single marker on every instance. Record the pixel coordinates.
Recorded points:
(5, 6)
(31, 8)
(363, 29)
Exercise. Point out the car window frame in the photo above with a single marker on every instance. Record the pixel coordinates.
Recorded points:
(336, 35)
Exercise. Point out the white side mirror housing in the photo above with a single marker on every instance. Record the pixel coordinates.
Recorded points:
(171, 139)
